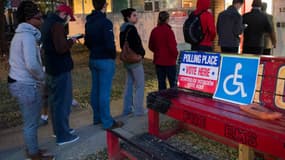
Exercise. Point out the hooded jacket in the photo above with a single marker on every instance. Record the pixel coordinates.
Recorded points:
(163, 45)
(133, 38)
(99, 36)
(258, 25)
(229, 27)
(207, 22)
(25, 62)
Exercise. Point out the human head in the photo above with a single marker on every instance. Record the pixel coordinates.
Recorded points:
(130, 15)
(256, 3)
(65, 12)
(100, 5)
(238, 3)
(29, 12)
(264, 7)
(163, 17)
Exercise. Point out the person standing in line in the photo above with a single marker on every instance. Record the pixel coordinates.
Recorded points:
(59, 64)
(133, 102)
(230, 27)
(99, 39)
(208, 26)
(163, 44)
(26, 76)
(267, 41)
(257, 24)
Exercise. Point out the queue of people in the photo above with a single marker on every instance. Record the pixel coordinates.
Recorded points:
(27, 78)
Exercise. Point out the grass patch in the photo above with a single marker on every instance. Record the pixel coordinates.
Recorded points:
(81, 78)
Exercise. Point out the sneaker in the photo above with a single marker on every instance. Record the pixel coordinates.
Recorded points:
(40, 156)
(71, 131)
(116, 124)
(71, 140)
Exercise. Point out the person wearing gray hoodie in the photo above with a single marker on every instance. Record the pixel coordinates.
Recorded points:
(26, 75)
(229, 27)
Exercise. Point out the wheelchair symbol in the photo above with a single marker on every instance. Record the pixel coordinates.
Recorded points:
(239, 85)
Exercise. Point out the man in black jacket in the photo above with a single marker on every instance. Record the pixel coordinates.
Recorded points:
(257, 25)
(99, 39)
(229, 27)
(58, 69)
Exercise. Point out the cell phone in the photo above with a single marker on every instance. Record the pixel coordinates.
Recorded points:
(77, 36)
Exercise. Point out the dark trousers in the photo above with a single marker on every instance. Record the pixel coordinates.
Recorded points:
(165, 71)
(60, 100)
(201, 48)
(229, 49)
(252, 50)
(267, 51)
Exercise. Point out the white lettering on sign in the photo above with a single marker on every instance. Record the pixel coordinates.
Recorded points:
(192, 58)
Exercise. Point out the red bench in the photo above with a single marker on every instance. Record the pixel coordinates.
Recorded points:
(226, 122)
(218, 120)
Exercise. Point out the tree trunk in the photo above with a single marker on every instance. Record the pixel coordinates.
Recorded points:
(3, 43)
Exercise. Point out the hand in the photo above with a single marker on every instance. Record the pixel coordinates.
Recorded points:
(74, 39)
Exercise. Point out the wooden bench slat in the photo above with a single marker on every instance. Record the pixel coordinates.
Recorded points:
(189, 106)
(231, 128)
(231, 108)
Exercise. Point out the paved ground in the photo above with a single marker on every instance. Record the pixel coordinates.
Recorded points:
(92, 138)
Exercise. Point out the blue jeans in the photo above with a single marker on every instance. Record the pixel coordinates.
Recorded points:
(60, 99)
(102, 71)
(165, 71)
(134, 80)
(29, 98)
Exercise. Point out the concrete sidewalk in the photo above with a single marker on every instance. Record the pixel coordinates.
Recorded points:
(92, 138)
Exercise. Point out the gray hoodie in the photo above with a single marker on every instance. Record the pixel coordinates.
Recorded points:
(25, 60)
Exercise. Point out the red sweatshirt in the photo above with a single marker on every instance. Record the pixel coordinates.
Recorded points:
(163, 45)
(207, 22)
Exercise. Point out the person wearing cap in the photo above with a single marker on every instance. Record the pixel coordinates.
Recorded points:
(257, 25)
(59, 64)
(99, 39)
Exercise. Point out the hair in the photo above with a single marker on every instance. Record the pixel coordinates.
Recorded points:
(98, 4)
(256, 3)
(264, 6)
(238, 1)
(26, 11)
(127, 13)
(163, 16)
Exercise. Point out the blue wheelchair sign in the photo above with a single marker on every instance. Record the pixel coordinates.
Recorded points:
(237, 79)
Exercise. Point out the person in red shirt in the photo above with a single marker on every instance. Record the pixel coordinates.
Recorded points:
(208, 26)
(163, 44)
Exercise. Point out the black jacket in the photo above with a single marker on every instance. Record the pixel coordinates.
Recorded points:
(258, 24)
(133, 38)
(229, 27)
(56, 47)
(99, 36)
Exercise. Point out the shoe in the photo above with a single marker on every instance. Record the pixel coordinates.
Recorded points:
(41, 156)
(43, 122)
(116, 124)
(75, 103)
(71, 131)
(71, 140)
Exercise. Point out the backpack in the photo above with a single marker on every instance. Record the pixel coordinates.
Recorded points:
(192, 29)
